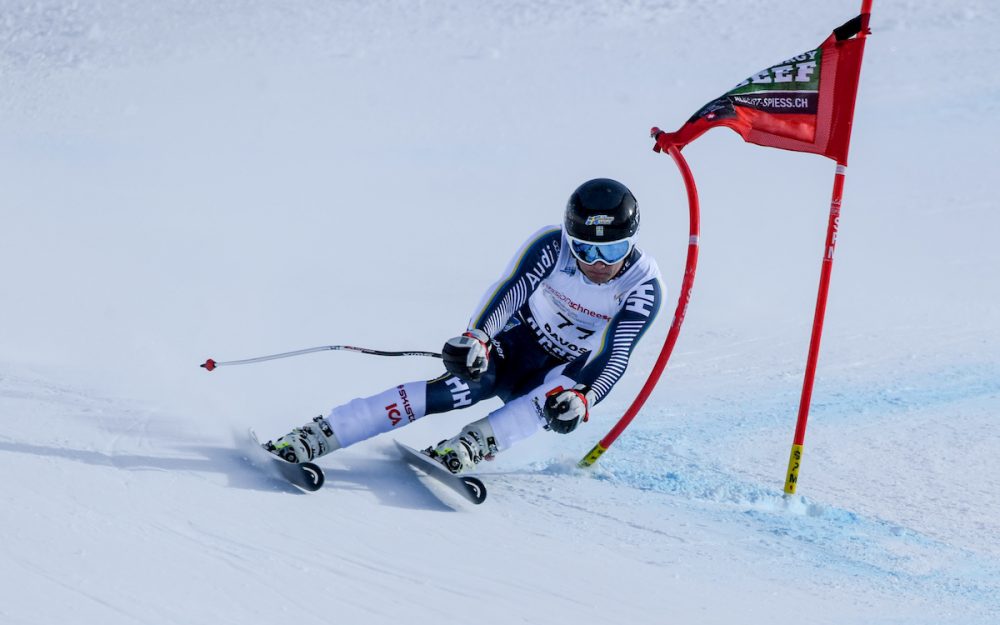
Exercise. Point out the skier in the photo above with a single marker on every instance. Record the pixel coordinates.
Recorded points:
(550, 339)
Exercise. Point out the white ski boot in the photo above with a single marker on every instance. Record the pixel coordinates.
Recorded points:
(473, 444)
(306, 443)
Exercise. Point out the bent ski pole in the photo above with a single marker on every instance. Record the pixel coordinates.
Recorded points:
(212, 364)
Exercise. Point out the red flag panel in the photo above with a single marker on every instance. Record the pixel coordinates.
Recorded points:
(804, 104)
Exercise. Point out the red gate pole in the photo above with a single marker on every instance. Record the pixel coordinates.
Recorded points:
(795, 458)
(675, 327)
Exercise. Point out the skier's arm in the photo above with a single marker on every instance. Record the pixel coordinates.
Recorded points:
(608, 363)
(533, 262)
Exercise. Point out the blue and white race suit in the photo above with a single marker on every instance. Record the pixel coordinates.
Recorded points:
(548, 326)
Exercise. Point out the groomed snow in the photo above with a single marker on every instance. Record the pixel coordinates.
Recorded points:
(182, 180)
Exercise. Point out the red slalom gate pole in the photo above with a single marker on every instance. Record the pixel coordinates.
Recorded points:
(795, 458)
(798, 441)
(675, 327)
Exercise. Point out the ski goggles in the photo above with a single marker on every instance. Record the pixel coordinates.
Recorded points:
(608, 253)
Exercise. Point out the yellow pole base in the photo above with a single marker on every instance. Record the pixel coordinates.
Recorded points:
(592, 457)
(794, 462)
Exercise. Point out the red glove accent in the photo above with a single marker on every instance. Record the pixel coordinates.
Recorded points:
(477, 339)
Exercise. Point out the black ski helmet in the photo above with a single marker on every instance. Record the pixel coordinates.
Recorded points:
(602, 210)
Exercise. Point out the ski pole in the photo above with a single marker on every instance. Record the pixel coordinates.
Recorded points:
(212, 364)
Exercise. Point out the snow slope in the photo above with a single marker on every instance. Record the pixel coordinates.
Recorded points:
(180, 180)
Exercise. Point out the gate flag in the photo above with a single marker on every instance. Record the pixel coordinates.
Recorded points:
(804, 104)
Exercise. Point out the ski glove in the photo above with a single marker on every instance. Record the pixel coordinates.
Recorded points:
(467, 356)
(564, 409)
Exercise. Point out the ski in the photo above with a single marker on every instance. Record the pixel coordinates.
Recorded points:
(469, 487)
(305, 475)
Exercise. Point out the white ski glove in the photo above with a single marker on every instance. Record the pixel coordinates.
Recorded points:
(564, 409)
(467, 356)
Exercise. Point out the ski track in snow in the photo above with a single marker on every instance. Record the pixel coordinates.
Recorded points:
(833, 542)
(891, 555)
(173, 180)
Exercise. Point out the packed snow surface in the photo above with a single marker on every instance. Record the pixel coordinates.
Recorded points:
(182, 180)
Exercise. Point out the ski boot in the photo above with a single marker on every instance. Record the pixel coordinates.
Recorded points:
(473, 444)
(306, 443)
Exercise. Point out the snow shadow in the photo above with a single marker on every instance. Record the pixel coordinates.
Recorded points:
(391, 482)
(222, 460)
